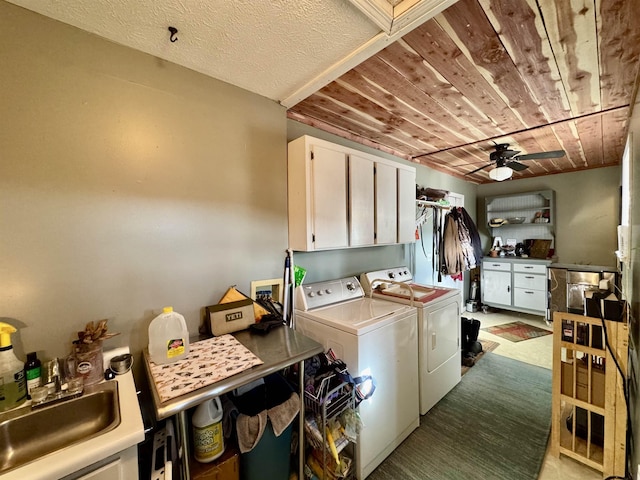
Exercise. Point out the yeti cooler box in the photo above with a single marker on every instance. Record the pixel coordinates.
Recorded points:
(231, 317)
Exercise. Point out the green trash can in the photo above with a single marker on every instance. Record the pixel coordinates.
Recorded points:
(271, 457)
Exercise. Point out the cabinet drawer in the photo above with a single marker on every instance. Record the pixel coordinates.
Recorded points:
(530, 281)
(530, 268)
(496, 265)
(530, 299)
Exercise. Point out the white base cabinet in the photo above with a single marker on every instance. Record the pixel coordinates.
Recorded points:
(339, 197)
(515, 284)
(122, 466)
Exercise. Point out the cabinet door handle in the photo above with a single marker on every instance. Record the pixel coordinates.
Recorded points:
(508, 288)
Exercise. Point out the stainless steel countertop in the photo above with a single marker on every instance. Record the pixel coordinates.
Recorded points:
(583, 268)
(278, 349)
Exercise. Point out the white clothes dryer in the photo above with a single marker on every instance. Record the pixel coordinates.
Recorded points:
(373, 337)
(439, 328)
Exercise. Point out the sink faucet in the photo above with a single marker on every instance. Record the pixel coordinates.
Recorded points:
(53, 375)
(55, 386)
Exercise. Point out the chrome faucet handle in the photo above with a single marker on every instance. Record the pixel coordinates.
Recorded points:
(53, 370)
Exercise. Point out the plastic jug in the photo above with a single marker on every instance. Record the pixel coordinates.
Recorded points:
(208, 441)
(168, 337)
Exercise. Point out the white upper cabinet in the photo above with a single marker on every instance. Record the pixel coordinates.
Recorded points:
(386, 204)
(361, 199)
(406, 205)
(339, 197)
(317, 195)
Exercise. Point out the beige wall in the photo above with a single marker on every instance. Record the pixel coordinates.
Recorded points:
(126, 184)
(587, 210)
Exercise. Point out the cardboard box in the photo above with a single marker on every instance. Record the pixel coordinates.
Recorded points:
(231, 317)
(227, 467)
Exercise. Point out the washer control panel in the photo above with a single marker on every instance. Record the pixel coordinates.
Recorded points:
(321, 294)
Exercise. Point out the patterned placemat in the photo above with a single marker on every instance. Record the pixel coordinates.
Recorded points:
(517, 331)
(209, 361)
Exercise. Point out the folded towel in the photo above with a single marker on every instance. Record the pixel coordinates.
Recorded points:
(250, 430)
(282, 415)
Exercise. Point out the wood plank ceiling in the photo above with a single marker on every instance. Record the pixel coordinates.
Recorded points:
(537, 74)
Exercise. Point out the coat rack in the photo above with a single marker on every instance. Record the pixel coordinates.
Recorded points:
(425, 212)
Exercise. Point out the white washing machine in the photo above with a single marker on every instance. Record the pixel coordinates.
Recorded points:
(438, 328)
(373, 337)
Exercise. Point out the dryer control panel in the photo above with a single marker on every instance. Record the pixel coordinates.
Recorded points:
(321, 294)
(371, 280)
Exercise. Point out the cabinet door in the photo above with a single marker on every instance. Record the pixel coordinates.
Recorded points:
(329, 204)
(386, 204)
(361, 198)
(496, 287)
(406, 205)
(122, 466)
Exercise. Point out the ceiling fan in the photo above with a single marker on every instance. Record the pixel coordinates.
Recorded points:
(507, 161)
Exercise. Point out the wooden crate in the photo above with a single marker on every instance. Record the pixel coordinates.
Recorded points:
(576, 385)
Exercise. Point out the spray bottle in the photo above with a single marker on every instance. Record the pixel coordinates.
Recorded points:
(13, 386)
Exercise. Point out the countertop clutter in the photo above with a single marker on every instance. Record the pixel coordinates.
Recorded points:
(119, 444)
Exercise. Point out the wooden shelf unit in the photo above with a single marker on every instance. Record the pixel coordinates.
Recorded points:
(587, 383)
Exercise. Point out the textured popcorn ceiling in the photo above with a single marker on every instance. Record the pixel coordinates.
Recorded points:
(281, 49)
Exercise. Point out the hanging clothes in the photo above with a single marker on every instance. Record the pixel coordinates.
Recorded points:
(460, 248)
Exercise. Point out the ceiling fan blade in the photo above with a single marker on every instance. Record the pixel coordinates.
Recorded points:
(478, 169)
(515, 166)
(532, 156)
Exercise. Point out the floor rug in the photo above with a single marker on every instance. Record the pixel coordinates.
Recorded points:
(494, 425)
(517, 331)
(487, 346)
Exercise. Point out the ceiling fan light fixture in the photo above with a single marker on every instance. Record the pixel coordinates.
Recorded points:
(500, 173)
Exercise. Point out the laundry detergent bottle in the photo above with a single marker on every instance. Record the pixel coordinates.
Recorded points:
(208, 439)
(13, 385)
(168, 337)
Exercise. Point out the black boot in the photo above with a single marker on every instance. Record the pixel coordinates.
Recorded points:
(466, 325)
(473, 345)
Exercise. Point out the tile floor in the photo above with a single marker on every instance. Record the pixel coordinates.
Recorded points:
(536, 351)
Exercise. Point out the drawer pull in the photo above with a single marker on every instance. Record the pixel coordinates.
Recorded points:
(528, 266)
(529, 277)
(530, 293)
